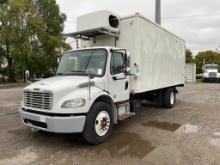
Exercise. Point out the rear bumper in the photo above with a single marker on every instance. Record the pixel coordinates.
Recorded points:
(70, 124)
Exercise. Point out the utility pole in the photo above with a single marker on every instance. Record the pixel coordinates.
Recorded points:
(158, 12)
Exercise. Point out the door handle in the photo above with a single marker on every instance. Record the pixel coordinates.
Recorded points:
(119, 77)
(126, 85)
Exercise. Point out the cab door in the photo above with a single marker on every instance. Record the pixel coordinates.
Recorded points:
(119, 85)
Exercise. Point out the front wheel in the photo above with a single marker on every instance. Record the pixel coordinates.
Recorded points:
(99, 123)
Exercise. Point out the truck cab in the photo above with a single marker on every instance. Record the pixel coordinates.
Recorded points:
(88, 82)
(211, 73)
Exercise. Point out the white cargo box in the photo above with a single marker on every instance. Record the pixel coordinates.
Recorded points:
(157, 56)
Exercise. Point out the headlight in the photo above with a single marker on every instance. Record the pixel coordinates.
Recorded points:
(74, 103)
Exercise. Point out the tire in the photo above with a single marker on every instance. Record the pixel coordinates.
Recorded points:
(169, 98)
(160, 98)
(94, 132)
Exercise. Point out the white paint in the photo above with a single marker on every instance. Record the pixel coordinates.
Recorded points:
(87, 21)
(67, 88)
(187, 129)
(23, 158)
(43, 119)
(158, 54)
(99, 128)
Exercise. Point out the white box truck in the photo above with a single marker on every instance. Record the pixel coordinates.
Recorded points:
(118, 61)
(211, 73)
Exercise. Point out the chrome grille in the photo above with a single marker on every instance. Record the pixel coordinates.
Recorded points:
(39, 100)
(212, 74)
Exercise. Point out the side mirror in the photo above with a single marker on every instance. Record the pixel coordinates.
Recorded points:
(127, 70)
(91, 74)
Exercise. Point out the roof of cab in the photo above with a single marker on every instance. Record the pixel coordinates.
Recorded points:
(103, 47)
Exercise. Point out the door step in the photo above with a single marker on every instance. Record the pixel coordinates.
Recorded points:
(125, 116)
(122, 104)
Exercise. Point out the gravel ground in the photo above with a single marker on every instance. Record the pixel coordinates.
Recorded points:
(186, 134)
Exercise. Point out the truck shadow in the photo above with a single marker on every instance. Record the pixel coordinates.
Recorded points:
(122, 142)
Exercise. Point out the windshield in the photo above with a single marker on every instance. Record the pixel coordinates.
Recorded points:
(83, 61)
(211, 67)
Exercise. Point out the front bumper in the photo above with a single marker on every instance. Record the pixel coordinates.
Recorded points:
(212, 79)
(69, 124)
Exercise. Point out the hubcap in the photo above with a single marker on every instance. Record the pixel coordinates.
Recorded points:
(102, 123)
(172, 98)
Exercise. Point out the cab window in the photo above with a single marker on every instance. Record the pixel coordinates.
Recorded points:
(117, 63)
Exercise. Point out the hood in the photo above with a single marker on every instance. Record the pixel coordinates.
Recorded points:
(58, 83)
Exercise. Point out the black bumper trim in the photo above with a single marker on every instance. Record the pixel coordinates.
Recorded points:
(52, 114)
(35, 123)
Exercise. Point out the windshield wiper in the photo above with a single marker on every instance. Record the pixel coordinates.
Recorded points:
(77, 72)
(72, 73)
(88, 63)
(60, 74)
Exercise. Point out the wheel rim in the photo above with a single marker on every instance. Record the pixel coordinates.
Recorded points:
(172, 98)
(102, 123)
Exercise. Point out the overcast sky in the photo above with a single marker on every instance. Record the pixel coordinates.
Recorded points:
(196, 21)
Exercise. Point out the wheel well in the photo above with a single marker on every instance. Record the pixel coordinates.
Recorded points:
(110, 102)
(105, 99)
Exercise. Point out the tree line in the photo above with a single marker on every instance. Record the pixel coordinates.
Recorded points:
(31, 36)
(208, 57)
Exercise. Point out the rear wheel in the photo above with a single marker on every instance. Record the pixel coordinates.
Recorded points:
(160, 98)
(99, 123)
(169, 98)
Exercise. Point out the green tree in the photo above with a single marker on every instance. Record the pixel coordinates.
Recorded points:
(1, 56)
(208, 57)
(2, 1)
(53, 42)
(31, 35)
(189, 56)
(6, 38)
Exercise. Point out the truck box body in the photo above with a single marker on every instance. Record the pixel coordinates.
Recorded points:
(157, 56)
